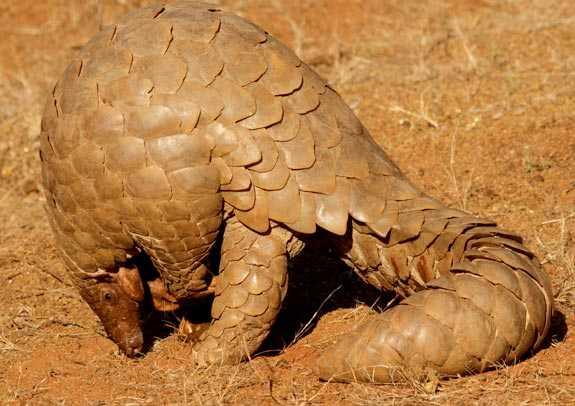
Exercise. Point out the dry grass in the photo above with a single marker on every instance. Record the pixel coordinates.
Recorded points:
(472, 99)
(559, 251)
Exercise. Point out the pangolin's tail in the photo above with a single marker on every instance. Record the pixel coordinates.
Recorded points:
(475, 298)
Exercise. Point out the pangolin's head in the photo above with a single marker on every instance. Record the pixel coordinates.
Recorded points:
(117, 300)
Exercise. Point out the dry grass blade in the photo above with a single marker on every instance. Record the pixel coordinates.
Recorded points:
(305, 328)
(422, 115)
(561, 253)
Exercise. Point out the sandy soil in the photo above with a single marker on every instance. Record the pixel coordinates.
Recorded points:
(473, 98)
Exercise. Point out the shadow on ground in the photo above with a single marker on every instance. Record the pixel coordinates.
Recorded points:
(319, 283)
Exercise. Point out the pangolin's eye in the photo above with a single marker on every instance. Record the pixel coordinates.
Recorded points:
(108, 296)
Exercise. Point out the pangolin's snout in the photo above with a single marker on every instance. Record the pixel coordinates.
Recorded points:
(133, 345)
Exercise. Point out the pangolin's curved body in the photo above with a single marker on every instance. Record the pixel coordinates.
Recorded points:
(184, 121)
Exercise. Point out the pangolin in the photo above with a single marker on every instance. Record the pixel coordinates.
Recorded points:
(183, 124)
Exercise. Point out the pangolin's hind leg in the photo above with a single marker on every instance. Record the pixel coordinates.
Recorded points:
(248, 293)
(478, 298)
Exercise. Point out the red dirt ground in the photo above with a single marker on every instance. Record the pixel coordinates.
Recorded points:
(474, 99)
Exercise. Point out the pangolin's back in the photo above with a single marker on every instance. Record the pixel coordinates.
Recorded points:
(187, 103)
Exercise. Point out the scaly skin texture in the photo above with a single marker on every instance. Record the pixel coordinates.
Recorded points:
(184, 121)
(249, 292)
(485, 302)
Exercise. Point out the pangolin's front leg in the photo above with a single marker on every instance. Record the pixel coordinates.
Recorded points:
(249, 291)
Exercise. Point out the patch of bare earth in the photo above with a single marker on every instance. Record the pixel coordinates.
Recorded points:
(474, 99)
